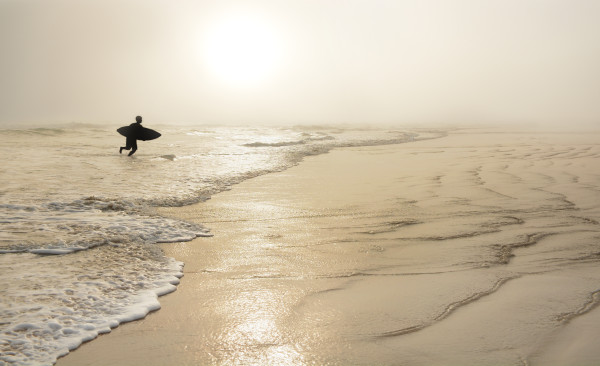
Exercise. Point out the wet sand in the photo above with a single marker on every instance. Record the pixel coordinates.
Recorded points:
(480, 248)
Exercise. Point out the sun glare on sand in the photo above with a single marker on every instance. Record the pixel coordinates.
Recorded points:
(241, 49)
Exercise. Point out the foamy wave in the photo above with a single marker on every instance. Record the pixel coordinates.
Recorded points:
(275, 144)
(74, 270)
(55, 305)
(36, 131)
(61, 228)
(306, 138)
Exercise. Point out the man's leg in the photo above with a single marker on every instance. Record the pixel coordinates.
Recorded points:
(133, 148)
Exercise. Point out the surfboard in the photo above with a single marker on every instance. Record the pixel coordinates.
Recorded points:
(143, 133)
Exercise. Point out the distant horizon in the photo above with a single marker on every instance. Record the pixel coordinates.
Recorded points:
(513, 126)
(301, 62)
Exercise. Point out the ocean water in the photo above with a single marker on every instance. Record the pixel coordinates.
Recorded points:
(78, 226)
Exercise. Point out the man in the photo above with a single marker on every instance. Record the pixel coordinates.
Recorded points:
(131, 140)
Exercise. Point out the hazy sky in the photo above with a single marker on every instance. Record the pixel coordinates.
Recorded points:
(300, 61)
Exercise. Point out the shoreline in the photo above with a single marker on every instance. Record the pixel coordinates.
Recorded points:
(301, 263)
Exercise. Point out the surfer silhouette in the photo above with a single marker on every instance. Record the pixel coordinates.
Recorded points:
(131, 141)
(134, 132)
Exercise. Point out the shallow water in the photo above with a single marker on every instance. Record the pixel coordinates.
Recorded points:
(78, 220)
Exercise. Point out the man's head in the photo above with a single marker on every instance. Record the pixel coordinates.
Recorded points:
(138, 119)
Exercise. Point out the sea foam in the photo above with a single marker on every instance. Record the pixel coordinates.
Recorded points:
(51, 305)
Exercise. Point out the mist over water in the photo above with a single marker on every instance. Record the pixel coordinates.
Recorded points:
(380, 61)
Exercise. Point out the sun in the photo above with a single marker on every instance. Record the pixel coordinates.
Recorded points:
(241, 50)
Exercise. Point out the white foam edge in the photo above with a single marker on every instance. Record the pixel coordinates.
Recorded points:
(148, 302)
(56, 251)
(69, 250)
(7, 251)
(184, 238)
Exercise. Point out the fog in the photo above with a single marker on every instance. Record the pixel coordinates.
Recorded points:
(398, 61)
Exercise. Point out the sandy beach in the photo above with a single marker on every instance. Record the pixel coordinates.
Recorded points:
(479, 248)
